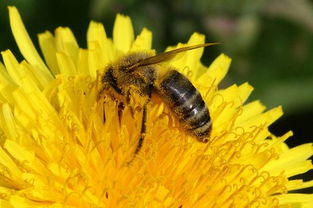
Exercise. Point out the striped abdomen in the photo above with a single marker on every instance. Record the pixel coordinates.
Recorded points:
(187, 103)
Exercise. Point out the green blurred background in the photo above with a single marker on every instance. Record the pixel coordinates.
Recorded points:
(270, 41)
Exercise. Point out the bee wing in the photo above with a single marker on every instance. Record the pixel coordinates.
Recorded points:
(168, 55)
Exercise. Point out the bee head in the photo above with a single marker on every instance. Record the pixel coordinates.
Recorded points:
(129, 63)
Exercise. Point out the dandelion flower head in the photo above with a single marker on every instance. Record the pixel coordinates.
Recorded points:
(63, 146)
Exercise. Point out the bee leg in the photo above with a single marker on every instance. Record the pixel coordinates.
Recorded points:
(132, 111)
(121, 107)
(143, 120)
(143, 123)
(142, 134)
(143, 130)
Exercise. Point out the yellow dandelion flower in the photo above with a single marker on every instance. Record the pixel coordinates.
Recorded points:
(63, 146)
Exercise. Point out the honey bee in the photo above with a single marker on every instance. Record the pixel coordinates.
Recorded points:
(142, 71)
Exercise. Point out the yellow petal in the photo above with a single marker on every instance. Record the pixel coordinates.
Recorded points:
(244, 92)
(23, 105)
(6, 85)
(66, 43)
(5, 74)
(250, 110)
(5, 203)
(123, 33)
(22, 202)
(294, 159)
(192, 57)
(216, 71)
(12, 66)
(32, 74)
(143, 41)
(7, 162)
(96, 32)
(25, 44)
(20, 71)
(298, 168)
(266, 118)
(94, 63)
(19, 152)
(66, 65)
(299, 184)
(298, 200)
(8, 122)
(82, 66)
(48, 48)
(98, 42)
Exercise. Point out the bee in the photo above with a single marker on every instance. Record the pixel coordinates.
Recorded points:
(142, 71)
